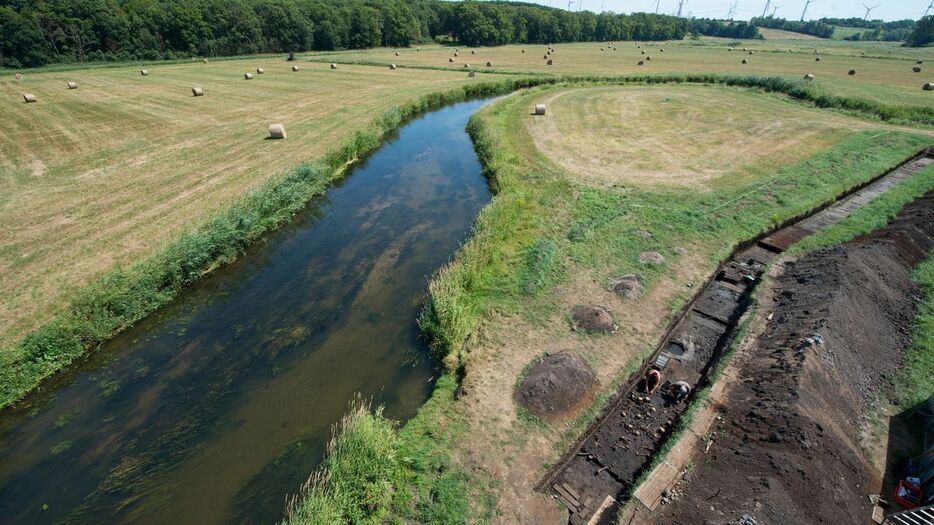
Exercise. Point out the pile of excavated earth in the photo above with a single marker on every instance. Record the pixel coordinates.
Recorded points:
(788, 445)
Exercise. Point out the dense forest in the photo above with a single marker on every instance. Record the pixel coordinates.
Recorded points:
(923, 34)
(37, 32)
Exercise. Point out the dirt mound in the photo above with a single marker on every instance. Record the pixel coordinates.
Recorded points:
(788, 447)
(651, 258)
(556, 385)
(629, 286)
(588, 318)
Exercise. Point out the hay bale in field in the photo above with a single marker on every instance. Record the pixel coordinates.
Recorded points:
(817, 59)
(851, 72)
(29, 98)
(72, 85)
(916, 69)
(197, 92)
(643, 51)
(397, 53)
(642, 62)
(523, 50)
(471, 74)
(247, 76)
(745, 61)
(277, 131)
(489, 63)
(808, 77)
(750, 51)
(550, 62)
(333, 66)
(648, 57)
(294, 68)
(260, 71)
(451, 60)
(929, 86)
(472, 52)
(466, 66)
(18, 76)
(731, 50)
(455, 54)
(204, 60)
(143, 72)
(539, 109)
(545, 57)
(919, 62)
(602, 49)
(614, 49)
(661, 50)
(392, 66)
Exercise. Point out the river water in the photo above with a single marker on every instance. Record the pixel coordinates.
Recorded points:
(217, 407)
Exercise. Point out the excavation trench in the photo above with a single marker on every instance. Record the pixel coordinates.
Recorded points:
(217, 407)
(599, 472)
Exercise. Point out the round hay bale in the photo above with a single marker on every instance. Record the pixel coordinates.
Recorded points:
(745, 49)
(260, 71)
(204, 60)
(197, 92)
(731, 50)
(614, 49)
(466, 66)
(662, 50)
(551, 62)
(247, 76)
(851, 72)
(397, 53)
(143, 72)
(648, 57)
(817, 59)
(745, 61)
(602, 49)
(294, 68)
(642, 62)
(589, 318)
(523, 50)
(545, 57)
(392, 66)
(455, 54)
(750, 51)
(277, 131)
(916, 69)
(651, 258)
(629, 286)
(489, 63)
(333, 66)
(472, 52)
(929, 86)
(808, 77)
(539, 109)
(72, 85)
(556, 385)
(643, 52)
(451, 60)
(471, 74)
(29, 98)
(919, 62)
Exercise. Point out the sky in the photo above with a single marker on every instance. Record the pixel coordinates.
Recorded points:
(746, 9)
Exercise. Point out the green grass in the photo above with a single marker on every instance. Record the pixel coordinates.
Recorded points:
(916, 382)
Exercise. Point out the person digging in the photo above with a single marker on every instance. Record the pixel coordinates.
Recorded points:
(679, 391)
(653, 378)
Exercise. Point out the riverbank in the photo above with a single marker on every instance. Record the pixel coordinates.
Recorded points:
(503, 302)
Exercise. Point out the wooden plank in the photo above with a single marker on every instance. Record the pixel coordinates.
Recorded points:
(571, 500)
(878, 516)
(607, 504)
(571, 491)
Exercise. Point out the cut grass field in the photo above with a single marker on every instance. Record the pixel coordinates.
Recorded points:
(109, 173)
(492, 323)
(883, 75)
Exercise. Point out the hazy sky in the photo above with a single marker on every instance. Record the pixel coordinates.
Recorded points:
(745, 9)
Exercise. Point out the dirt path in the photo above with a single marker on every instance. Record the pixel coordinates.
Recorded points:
(789, 444)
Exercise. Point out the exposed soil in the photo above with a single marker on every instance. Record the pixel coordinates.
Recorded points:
(788, 445)
(629, 286)
(592, 319)
(556, 385)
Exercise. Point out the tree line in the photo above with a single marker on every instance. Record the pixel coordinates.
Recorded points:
(817, 28)
(38, 32)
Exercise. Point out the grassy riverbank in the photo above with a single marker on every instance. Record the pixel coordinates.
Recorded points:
(551, 239)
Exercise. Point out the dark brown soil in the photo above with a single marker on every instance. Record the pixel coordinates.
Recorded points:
(556, 385)
(787, 448)
(628, 286)
(592, 319)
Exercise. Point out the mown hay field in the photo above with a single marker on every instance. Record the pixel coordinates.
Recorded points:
(884, 74)
(108, 173)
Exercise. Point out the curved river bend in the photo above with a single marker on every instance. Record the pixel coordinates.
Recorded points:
(215, 408)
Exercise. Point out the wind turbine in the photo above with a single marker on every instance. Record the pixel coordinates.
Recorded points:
(806, 4)
(868, 9)
(733, 10)
(570, 3)
(928, 10)
(659, 1)
(766, 8)
(774, 9)
(680, 6)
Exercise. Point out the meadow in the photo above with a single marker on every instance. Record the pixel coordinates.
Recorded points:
(109, 173)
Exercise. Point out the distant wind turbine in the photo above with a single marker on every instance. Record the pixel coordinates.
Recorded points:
(570, 3)
(869, 9)
(766, 8)
(680, 7)
(656, 5)
(928, 10)
(774, 9)
(806, 4)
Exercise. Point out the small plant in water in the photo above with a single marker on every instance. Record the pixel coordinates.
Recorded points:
(60, 447)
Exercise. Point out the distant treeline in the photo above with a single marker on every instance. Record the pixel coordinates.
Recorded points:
(870, 24)
(708, 27)
(37, 32)
(817, 28)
